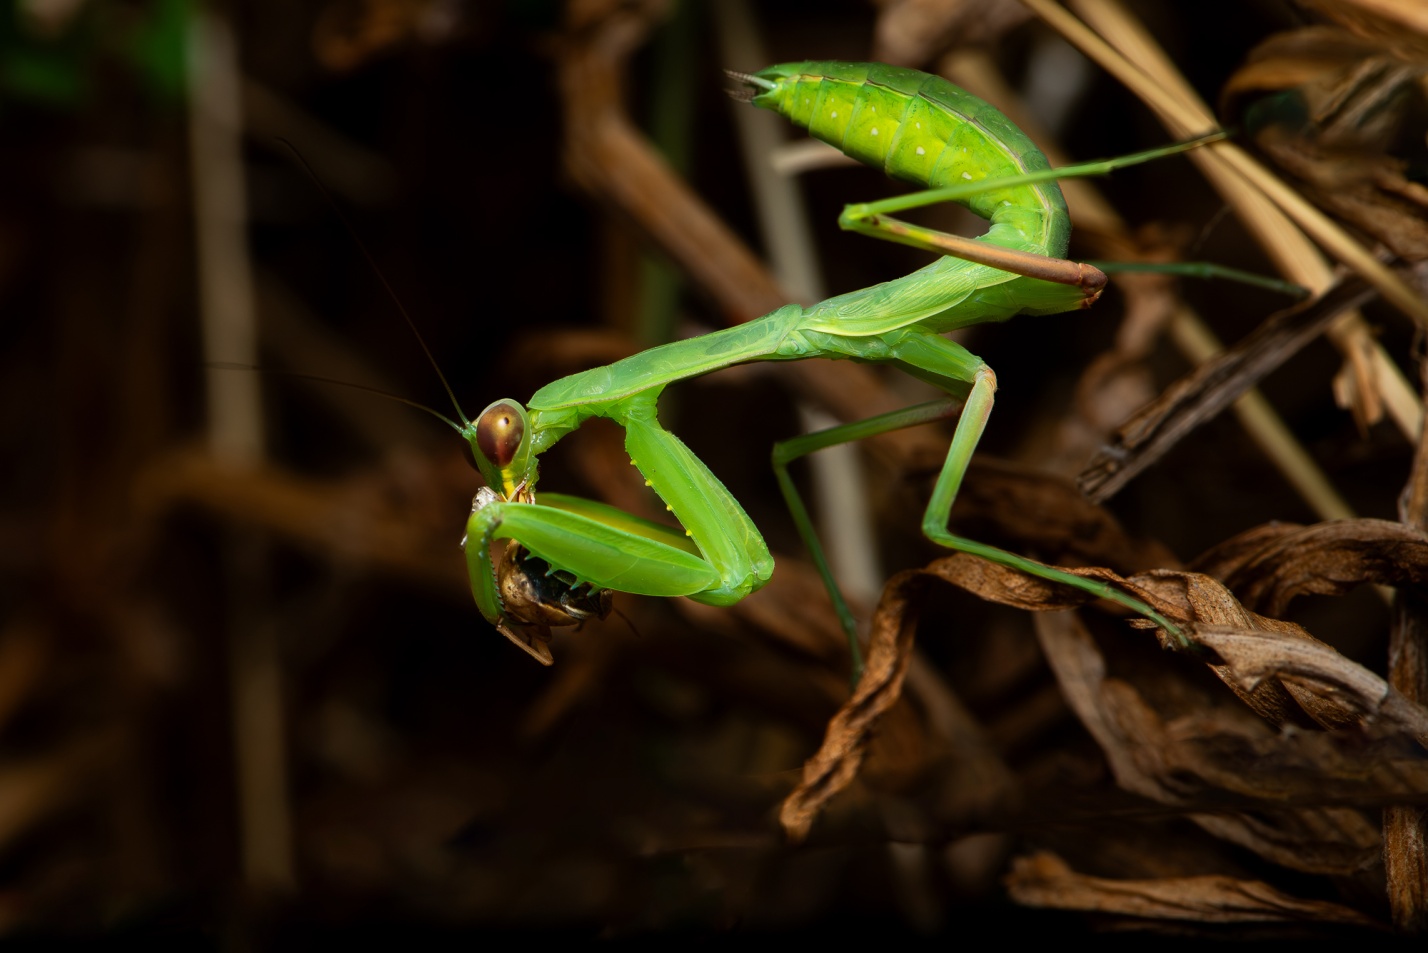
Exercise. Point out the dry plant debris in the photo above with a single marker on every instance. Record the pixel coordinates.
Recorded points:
(1271, 780)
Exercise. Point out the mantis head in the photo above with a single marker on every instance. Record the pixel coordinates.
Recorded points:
(501, 442)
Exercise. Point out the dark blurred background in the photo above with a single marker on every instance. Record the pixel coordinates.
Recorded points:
(244, 692)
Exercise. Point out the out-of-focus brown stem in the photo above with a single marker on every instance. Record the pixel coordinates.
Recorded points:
(317, 514)
(236, 437)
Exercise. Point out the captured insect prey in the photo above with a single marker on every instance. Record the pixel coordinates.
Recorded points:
(537, 597)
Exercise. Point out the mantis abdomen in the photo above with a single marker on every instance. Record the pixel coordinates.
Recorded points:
(922, 129)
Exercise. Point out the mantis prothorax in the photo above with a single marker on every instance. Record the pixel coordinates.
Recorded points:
(919, 128)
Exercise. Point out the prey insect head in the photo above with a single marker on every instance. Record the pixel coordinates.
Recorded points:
(534, 593)
(501, 443)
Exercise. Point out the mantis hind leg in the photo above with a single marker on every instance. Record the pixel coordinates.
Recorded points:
(970, 425)
(875, 220)
(954, 369)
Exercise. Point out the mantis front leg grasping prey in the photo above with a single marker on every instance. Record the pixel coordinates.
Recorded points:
(919, 128)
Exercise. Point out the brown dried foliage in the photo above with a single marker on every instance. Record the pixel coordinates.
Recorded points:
(1269, 779)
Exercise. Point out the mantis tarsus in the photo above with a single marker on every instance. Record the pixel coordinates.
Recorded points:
(919, 128)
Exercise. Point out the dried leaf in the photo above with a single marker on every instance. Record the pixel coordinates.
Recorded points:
(1399, 25)
(1329, 108)
(1405, 828)
(1210, 388)
(1044, 880)
(1270, 567)
(1369, 191)
(1211, 757)
(1294, 58)
(836, 764)
(1333, 690)
(1217, 758)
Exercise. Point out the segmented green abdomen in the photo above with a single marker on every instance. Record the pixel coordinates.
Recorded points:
(923, 129)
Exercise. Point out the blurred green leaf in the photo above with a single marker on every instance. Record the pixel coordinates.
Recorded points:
(42, 76)
(53, 69)
(156, 47)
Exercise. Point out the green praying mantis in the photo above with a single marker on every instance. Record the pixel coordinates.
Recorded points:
(566, 553)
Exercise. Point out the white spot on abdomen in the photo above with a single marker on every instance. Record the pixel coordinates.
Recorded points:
(921, 151)
(875, 130)
(966, 175)
(834, 114)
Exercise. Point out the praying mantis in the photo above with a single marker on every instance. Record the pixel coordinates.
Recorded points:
(917, 127)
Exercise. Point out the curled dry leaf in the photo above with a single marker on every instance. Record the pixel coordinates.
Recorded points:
(1271, 566)
(1215, 759)
(1293, 59)
(1400, 25)
(1370, 192)
(837, 761)
(1009, 587)
(1334, 691)
(1271, 792)
(1337, 112)
(982, 781)
(1045, 880)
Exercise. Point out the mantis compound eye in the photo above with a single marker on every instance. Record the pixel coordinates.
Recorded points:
(499, 432)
